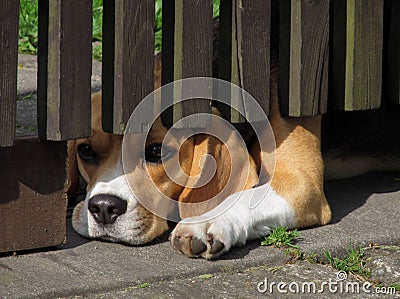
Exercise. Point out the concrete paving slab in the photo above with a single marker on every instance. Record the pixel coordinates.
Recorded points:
(27, 74)
(384, 264)
(300, 280)
(366, 210)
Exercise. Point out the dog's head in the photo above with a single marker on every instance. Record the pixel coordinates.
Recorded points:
(111, 210)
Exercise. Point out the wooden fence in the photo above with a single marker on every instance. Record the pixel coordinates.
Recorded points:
(327, 50)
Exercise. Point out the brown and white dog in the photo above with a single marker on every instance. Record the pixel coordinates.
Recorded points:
(295, 196)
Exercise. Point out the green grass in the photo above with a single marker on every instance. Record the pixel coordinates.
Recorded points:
(281, 237)
(311, 258)
(206, 276)
(97, 28)
(97, 20)
(97, 52)
(28, 26)
(143, 285)
(27, 96)
(396, 286)
(158, 26)
(352, 262)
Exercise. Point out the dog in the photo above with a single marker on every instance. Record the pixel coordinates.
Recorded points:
(294, 197)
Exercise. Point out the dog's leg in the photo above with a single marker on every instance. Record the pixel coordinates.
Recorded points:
(217, 231)
(298, 176)
(294, 198)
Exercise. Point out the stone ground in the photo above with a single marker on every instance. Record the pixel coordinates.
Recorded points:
(366, 211)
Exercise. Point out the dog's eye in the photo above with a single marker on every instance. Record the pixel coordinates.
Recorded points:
(86, 152)
(155, 153)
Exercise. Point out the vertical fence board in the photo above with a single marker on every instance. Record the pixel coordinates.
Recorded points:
(357, 69)
(304, 32)
(253, 32)
(245, 52)
(228, 68)
(128, 61)
(393, 59)
(65, 51)
(8, 69)
(192, 40)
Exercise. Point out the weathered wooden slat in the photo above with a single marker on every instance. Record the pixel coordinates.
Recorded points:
(245, 52)
(128, 61)
(253, 29)
(65, 64)
(168, 31)
(303, 57)
(192, 40)
(357, 54)
(228, 64)
(9, 10)
(33, 202)
(393, 59)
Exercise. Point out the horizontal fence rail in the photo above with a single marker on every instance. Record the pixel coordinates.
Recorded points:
(349, 36)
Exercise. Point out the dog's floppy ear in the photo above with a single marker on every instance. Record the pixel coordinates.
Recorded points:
(72, 171)
(227, 179)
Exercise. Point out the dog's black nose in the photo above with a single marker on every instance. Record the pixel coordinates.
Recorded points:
(106, 208)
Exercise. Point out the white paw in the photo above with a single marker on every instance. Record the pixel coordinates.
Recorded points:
(207, 239)
(236, 220)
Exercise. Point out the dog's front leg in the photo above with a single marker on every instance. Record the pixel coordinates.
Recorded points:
(243, 216)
